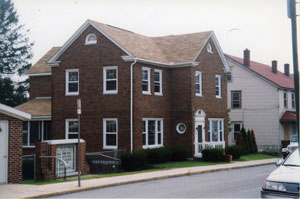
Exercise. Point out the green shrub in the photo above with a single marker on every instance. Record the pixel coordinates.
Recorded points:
(245, 141)
(178, 153)
(234, 150)
(250, 142)
(28, 169)
(158, 155)
(213, 155)
(133, 161)
(254, 141)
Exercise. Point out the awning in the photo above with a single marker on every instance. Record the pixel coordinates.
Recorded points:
(38, 108)
(288, 116)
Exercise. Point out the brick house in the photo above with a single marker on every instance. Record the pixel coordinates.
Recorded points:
(136, 91)
(263, 99)
(11, 122)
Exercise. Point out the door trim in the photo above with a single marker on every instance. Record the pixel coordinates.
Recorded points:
(6, 159)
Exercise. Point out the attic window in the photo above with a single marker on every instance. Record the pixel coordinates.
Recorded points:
(90, 39)
(209, 48)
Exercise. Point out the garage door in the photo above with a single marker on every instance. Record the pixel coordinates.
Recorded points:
(3, 151)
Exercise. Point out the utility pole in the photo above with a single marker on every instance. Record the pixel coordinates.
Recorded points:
(78, 153)
(293, 16)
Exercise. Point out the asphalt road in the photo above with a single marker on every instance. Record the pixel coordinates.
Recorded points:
(237, 183)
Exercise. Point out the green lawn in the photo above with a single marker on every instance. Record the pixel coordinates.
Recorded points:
(156, 167)
(256, 156)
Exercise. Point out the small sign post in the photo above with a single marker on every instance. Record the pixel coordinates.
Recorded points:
(78, 156)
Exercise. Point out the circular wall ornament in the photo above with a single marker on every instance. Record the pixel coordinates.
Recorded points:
(181, 127)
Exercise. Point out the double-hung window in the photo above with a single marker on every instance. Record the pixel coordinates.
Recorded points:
(216, 130)
(236, 129)
(293, 100)
(198, 82)
(146, 80)
(110, 133)
(152, 133)
(72, 82)
(110, 80)
(71, 128)
(285, 100)
(236, 99)
(218, 86)
(27, 138)
(157, 82)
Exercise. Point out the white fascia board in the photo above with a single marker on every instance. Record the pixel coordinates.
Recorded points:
(38, 74)
(53, 62)
(66, 141)
(166, 65)
(14, 112)
(39, 118)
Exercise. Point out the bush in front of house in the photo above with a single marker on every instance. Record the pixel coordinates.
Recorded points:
(134, 161)
(245, 141)
(158, 155)
(178, 153)
(250, 142)
(213, 155)
(234, 150)
(254, 141)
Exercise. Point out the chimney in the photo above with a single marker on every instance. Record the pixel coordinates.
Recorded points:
(287, 69)
(274, 66)
(247, 57)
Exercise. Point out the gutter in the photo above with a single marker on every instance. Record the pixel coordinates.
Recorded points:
(131, 105)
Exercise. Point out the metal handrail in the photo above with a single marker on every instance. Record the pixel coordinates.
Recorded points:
(60, 159)
(99, 153)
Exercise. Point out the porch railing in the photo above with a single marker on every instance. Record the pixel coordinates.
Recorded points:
(209, 145)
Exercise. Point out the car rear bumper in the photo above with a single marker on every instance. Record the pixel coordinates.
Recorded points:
(273, 194)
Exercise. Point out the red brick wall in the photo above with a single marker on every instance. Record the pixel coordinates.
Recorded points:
(40, 86)
(211, 65)
(90, 60)
(15, 127)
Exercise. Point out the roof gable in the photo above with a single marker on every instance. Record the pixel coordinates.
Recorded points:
(169, 50)
(279, 78)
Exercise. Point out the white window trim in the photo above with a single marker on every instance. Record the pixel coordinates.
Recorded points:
(160, 82)
(219, 86)
(28, 137)
(210, 129)
(209, 48)
(200, 83)
(285, 99)
(104, 133)
(105, 68)
(67, 128)
(156, 145)
(149, 85)
(87, 42)
(293, 99)
(67, 82)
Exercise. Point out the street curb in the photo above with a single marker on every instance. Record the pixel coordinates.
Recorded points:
(80, 189)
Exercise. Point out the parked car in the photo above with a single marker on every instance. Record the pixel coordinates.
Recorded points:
(285, 180)
(293, 145)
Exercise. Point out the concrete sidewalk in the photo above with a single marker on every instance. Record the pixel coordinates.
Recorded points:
(37, 191)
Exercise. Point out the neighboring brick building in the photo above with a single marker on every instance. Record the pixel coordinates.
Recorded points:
(11, 144)
(136, 91)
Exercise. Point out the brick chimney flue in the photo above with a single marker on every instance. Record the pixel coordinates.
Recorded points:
(287, 69)
(274, 66)
(247, 57)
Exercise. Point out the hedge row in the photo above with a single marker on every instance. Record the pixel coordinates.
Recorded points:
(139, 160)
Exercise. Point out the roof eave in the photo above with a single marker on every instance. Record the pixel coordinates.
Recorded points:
(13, 112)
(167, 65)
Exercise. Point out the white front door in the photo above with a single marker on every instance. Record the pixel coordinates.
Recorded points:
(199, 137)
(3, 151)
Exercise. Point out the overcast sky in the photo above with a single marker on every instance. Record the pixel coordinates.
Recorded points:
(262, 26)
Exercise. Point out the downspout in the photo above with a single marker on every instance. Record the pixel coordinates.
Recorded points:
(131, 105)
